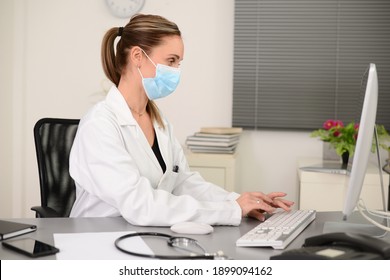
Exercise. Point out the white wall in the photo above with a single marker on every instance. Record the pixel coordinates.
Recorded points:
(50, 66)
(6, 71)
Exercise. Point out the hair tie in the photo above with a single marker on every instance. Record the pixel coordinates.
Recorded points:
(120, 31)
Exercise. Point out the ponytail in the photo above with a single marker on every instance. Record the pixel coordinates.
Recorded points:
(108, 56)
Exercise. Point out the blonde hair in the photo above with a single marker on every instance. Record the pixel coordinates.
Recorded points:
(144, 31)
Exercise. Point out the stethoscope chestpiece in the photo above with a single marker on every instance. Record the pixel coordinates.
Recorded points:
(185, 243)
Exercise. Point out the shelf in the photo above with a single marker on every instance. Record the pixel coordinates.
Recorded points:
(326, 192)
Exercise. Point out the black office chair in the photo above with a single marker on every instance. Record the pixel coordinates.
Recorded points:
(53, 140)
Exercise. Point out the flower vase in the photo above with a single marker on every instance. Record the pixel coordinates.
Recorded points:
(345, 158)
(329, 153)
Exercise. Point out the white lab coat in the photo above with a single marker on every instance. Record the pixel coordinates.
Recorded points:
(117, 174)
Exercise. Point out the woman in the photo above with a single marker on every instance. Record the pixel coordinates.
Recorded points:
(125, 160)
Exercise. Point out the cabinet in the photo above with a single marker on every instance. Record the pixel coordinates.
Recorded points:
(219, 169)
(326, 192)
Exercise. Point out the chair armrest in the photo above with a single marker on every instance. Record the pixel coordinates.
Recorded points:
(45, 212)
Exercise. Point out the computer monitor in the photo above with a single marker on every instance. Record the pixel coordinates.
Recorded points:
(363, 142)
(361, 158)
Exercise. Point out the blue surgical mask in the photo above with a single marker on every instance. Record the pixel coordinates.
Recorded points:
(164, 83)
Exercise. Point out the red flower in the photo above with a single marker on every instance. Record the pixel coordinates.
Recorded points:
(328, 124)
(339, 124)
(336, 133)
(332, 123)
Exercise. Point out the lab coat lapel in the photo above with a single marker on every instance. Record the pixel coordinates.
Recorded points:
(116, 101)
(148, 150)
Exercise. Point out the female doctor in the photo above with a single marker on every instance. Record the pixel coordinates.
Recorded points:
(125, 159)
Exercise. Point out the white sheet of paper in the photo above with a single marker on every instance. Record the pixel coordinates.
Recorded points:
(97, 246)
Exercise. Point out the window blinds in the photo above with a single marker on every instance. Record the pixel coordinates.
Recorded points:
(298, 63)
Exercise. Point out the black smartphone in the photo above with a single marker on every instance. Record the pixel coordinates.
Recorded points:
(30, 247)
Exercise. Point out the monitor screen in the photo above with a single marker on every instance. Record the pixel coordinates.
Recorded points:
(364, 141)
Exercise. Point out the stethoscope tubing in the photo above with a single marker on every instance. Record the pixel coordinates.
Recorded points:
(153, 256)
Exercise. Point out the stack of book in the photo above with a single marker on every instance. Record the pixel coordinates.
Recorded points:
(215, 140)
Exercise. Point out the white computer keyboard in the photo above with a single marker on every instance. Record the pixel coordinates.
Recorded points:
(278, 230)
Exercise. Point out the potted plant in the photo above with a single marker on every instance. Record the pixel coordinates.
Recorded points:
(341, 138)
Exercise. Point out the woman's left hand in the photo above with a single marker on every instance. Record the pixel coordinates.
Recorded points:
(277, 202)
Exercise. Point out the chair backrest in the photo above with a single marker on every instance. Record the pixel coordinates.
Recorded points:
(53, 141)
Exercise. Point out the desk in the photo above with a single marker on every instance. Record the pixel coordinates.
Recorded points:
(223, 237)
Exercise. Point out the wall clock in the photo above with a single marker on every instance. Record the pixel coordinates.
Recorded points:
(124, 8)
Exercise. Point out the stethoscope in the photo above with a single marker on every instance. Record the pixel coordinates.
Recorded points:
(183, 243)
